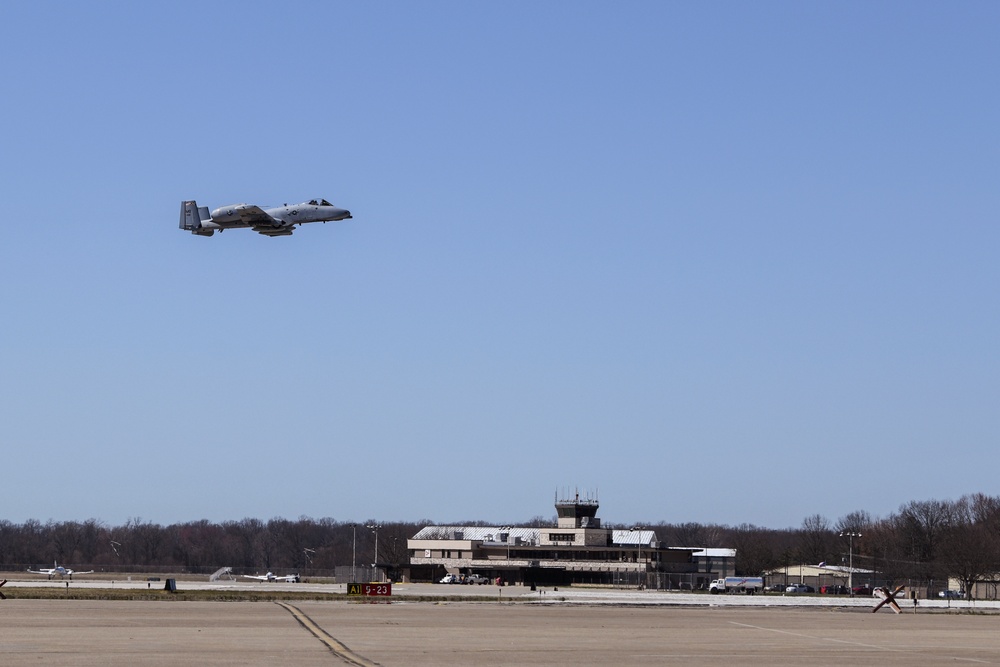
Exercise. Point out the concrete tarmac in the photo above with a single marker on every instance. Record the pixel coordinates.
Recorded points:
(159, 633)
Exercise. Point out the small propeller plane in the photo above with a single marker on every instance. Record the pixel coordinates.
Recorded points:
(278, 221)
(58, 570)
(271, 576)
(888, 597)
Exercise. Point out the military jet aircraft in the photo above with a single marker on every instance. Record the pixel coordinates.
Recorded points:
(278, 221)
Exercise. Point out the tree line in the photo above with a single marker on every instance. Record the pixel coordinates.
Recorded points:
(925, 540)
(922, 541)
(304, 545)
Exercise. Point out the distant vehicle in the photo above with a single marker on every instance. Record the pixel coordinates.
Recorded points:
(951, 594)
(450, 579)
(775, 588)
(58, 570)
(279, 221)
(749, 585)
(800, 588)
(834, 589)
(477, 579)
(271, 576)
(862, 590)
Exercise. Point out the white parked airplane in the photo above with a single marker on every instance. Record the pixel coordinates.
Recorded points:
(271, 576)
(58, 570)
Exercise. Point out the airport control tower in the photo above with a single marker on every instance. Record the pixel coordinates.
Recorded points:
(576, 512)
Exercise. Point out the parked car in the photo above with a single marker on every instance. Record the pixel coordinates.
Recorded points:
(862, 590)
(951, 594)
(798, 588)
(449, 579)
(834, 589)
(477, 579)
(776, 588)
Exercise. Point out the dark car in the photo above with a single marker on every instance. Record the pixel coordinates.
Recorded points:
(834, 589)
(862, 590)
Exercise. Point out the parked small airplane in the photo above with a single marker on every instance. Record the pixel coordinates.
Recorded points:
(58, 570)
(278, 221)
(271, 576)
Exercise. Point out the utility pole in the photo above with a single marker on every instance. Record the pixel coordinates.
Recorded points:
(850, 535)
(374, 527)
(354, 551)
(642, 567)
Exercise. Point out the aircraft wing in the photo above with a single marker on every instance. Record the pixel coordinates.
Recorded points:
(41, 571)
(262, 577)
(261, 222)
(255, 216)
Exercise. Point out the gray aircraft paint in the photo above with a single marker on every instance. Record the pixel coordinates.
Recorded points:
(278, 221)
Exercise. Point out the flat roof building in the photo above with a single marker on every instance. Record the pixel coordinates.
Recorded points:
(576, 550)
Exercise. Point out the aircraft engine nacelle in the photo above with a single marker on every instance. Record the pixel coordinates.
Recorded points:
(227, 213)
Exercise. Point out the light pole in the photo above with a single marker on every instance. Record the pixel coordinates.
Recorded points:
(374, 528)
(309, 553)
(642, 569)
(506, 531)
(354, 551)
(850, 535)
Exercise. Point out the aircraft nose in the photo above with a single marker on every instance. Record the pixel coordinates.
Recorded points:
(343, 213)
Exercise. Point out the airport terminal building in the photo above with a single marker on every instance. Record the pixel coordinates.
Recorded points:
(576, 550)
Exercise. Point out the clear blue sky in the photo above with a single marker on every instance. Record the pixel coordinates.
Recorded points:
(721, 262)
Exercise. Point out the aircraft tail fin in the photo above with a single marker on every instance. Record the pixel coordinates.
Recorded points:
(192, 216)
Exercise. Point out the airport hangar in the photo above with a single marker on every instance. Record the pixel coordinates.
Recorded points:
(576, 551)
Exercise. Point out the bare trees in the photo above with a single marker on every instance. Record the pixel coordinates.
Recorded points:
(922, 541)
(970, 546)
(816, 543)
(195, 546)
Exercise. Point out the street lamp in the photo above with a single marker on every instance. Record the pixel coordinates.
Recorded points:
(354, 551)
(506, 531)
(642, 569)
(850, 535)
(309, 553)
(374, 528)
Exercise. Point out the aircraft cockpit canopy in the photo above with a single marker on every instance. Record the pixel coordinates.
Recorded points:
(319, 202)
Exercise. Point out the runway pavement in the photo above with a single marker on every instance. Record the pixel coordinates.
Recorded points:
(112, 633)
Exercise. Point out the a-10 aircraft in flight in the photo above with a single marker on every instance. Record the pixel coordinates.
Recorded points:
(279, 221)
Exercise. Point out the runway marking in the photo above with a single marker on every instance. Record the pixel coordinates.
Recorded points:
(338, 649)
(852, 643)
